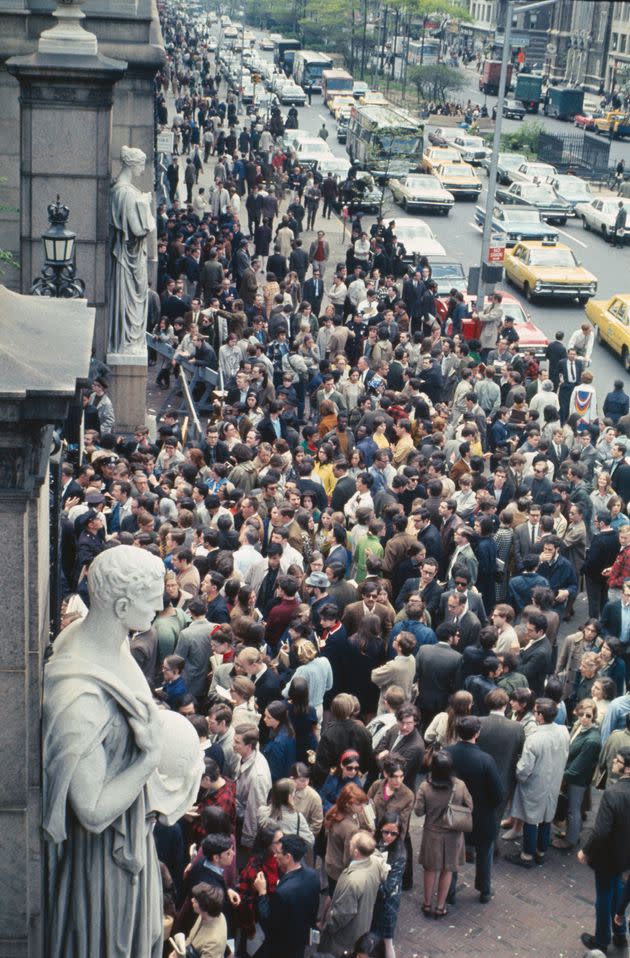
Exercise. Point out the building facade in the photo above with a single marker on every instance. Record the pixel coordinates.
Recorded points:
(618, 62)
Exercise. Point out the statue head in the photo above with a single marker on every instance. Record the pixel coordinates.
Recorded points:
(133, 158)
(128, 582)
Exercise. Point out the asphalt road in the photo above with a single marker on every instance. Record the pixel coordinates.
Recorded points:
(461, 238)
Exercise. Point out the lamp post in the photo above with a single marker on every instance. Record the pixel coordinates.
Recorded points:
(57, 277)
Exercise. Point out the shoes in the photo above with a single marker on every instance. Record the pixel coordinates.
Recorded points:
(450, 898)
(561, 843)
(440, 913)
(427, 910)
(484, 899)
(539, 858)
(517, 859)
(507, 823)
(589, 942)
(511, 835)
(470, 856)
(620, 941)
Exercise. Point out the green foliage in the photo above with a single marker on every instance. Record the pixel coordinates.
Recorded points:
(524, 140)
(435, 81)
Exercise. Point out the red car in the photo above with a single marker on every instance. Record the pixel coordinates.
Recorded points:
(530, 336)
(586, 121)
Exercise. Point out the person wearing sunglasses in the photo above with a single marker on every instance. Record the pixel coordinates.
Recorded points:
(348, 771)
(390, 844)
(584, 749)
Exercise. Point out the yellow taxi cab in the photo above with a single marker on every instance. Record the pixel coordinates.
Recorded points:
(611, 319)
(435, 155)
(547, 268)
(339, 105)
(458, 178)
(611, 121)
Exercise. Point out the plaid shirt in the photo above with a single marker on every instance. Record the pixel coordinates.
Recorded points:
(620, 569)
(225, 799)
(247, 910)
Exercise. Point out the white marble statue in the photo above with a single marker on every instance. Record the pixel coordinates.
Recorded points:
(112, 761)
(132, 221)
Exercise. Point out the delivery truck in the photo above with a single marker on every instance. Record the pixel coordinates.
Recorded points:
(489, 79)
(528, 91)
(564, 102)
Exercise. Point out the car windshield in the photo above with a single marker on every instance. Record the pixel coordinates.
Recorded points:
(540, 194)
(522, 216)
(509, 161)
(312, 146)
(423, 183)
(551, 257)
(448, 271)
(415, 230)
(569, 184)
(539, 169)
(511, 311)
(454, 170)
(475, 141)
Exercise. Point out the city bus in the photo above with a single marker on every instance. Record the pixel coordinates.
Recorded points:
(308, 67)
(385, 140)
(336, 83)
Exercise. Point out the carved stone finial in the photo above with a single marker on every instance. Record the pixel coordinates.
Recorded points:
(68, 36)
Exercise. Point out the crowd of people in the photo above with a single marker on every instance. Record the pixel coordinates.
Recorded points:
(371, 553)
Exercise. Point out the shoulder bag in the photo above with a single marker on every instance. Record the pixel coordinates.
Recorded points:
(457, 818)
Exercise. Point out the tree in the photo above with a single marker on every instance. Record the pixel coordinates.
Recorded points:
(436, 81)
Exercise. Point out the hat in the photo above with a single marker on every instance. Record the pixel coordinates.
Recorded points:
(317, 579)
(105, 457)
(170, 441)
(94, 499)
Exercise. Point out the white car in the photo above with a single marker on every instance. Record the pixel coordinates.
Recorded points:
(444, 135)
(573, 189)
(599, 215)
(418, 239)
(420, 190)
(532, 172)
(291, 92)
(312, 152)
(293, 137)
(339, 166)
(267, 44)
(472, 149)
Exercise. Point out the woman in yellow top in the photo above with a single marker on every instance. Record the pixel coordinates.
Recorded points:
(379, 436)
(208, 935)
(324, 468)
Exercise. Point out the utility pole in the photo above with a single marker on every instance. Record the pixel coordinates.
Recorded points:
(496, 144)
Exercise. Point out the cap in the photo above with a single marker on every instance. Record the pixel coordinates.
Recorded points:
(317, 579)
(94, 498)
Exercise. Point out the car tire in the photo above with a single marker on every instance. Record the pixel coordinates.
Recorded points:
(583, 300)
(561, 222)
(586, 225)
(625, 358)
(527, 293)
(598, 335)
(403, 203)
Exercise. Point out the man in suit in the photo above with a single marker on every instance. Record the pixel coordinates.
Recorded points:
(428, 535)
(251, 663)
(479, 772)
(535, 662)
(345, 486)
(248, 282)
(437, 672)
(273, 426)
(570, 370)
(339, 591)
(558, 451)
(313, 290)
(288, 915)
(404, 739)
(503, 740)
(218, 854)
(367, 605)
(461, 579)
(620, 470)
(466, 622)
(616, 619)
(526, 535)
(600, 555)
(70, 488)
(556, 351)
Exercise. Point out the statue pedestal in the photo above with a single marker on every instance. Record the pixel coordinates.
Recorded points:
(128, 389)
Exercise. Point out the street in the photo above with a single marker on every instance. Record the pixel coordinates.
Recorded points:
(461, 237)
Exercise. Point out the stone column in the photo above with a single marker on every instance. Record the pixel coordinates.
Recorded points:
(44, 346)
(66, 94)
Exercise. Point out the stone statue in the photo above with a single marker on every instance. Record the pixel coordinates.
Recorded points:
(112, 761)
(132, 221)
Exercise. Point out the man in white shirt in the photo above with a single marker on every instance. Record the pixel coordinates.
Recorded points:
(362, 497)
(247, 558)
(253, 783)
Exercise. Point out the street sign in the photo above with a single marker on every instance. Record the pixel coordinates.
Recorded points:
(496, 249)
(165, 142)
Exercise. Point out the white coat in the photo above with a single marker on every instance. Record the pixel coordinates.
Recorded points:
(539, 774)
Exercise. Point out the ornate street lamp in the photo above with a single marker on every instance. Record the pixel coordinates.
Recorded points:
(58, 273)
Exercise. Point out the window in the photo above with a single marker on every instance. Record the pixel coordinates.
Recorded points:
(615, 41)
(622, 43)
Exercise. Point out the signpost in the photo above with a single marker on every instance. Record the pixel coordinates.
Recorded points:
(165, 142)
(496, 249)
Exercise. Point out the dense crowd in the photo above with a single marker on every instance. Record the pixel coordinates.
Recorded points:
(370, 552)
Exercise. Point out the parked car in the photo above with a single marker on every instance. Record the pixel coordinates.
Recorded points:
(267, 44)
(365, 195)
(360, 89)
(586, 121)
(449, 276)
(541, 196)
(530, 336)
(420, 191)
(517, 223)
(599, 215)
(548, 269)
(514, 110)
(337, 165)
(611, 319)
(291, 93)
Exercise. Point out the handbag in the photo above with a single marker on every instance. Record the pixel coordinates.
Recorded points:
(457, 818)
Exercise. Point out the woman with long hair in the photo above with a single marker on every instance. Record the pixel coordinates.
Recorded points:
(305, 799)
(263, 859)
(342, 821)
(603, 691)
(280, 749)
(442, 730)
(618, 516)
(366, 651)
(303, 716)
(208, 935)
(613, 664)
(323, 468)
(390, 843)
(281, 812)
(441, 851)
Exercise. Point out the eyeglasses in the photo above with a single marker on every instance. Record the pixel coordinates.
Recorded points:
(389, 831)
(352, 768)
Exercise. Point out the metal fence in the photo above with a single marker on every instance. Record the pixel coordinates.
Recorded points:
(585, 155)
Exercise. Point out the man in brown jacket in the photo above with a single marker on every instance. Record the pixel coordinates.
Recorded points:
(367, 605)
